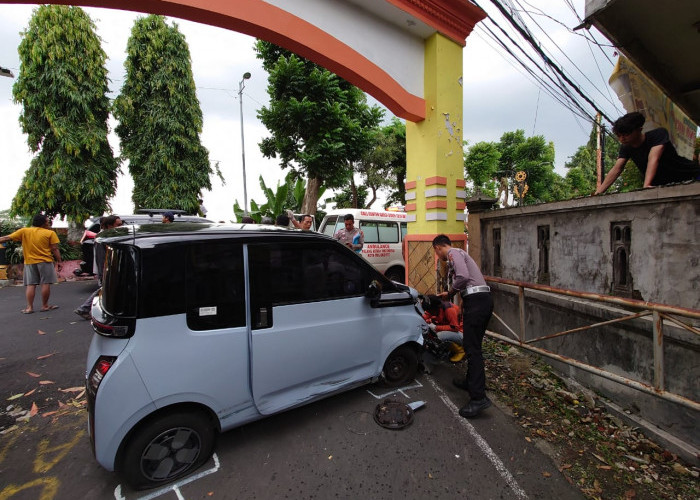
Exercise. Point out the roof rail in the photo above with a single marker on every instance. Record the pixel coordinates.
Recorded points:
(152, 211)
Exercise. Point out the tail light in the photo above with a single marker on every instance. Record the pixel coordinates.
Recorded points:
(99, 370)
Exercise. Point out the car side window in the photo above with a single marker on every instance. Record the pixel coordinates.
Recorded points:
(329, 228)
(215, 286)
(288, 273)
(162, 290)
(388, 232)
(331, 272)
(370, 231)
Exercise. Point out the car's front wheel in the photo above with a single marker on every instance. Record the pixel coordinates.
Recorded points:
(167, 447)
(401, 366)
(396, 274)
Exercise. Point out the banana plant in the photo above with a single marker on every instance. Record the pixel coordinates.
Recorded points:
(287, 196)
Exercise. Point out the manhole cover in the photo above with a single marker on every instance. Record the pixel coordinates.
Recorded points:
(393, 414)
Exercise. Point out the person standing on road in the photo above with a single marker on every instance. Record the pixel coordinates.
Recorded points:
(38, 244)
(350, 236)
(108, 222)
(477, 307)
(168, 218)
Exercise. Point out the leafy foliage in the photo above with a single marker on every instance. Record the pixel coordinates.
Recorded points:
(481, 163)
(287, 196)
(533, 156)
(160, 119)
(8, 225)
(581, 177)
(487, 163)
(320, 125)
(62, 86)
(69, 251)
(383, 166)
(346, 198)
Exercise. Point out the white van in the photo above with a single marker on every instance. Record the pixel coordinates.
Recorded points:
(384, 233)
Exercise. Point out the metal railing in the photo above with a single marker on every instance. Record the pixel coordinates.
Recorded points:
(659, 313)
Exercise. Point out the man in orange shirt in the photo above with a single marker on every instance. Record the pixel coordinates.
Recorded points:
(38, 244)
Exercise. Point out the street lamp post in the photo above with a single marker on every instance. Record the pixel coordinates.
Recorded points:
(241, 86)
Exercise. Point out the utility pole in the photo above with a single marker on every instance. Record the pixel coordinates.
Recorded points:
(241, 86)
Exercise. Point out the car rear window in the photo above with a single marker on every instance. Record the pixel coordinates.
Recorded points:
(119, 281)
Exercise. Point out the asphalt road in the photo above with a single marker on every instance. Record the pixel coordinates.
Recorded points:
(328, 449)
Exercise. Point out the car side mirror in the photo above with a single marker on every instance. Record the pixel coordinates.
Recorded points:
(374, 291)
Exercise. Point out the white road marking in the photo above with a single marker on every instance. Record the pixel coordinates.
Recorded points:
(175, 487)
(481, 443)
(417, 385)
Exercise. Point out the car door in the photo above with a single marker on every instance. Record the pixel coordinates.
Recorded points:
(313, 331)
(193, 343)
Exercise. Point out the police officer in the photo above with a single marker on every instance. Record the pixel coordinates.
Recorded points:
(477, 307)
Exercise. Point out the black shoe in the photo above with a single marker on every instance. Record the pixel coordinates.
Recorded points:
(83, 314)
(461, 383)
(474, 407)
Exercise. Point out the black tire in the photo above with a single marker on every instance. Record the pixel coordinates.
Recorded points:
(178, 444)
(396, 274)
(400, 367)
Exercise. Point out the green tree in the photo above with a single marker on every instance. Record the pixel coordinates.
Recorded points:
(581, 177)
(349, 198)
(481, 164)
(535, 157)
(160, 119)
(384, 166)
(62, 86)
(320, 125)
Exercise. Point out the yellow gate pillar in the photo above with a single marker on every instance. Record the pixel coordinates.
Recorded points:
(435, 196)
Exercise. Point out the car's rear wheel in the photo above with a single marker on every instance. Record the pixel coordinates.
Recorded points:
(167, 447)
(401, 366)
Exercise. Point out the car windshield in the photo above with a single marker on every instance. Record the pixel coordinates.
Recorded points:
(119, 286)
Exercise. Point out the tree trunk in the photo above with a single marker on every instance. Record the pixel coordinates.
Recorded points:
(374, 197)
(313, 186)
(401, 187)
(353, 191)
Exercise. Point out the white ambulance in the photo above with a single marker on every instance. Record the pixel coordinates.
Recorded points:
(384, 233)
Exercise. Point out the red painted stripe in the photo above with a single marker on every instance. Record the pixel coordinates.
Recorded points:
(431, 181)
(436, 204)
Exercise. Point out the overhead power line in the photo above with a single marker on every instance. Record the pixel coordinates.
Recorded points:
(555, 87)
(607, 97)
(548, 61)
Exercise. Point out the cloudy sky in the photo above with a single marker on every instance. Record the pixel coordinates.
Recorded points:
(498, 95)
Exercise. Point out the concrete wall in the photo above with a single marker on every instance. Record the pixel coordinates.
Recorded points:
(664, 261)
(664, 268)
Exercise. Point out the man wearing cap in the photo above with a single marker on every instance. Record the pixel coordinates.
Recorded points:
(477, 307)
(168, 217)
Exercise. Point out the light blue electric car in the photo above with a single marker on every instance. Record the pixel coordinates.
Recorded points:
(201, 328)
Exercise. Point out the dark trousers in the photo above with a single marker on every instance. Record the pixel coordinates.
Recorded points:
(477, 309)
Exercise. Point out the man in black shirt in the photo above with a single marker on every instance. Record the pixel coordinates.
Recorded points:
(651, 151)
